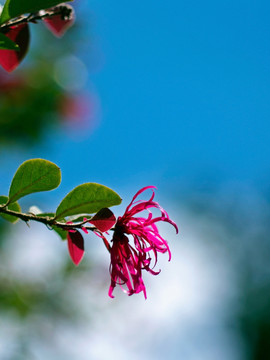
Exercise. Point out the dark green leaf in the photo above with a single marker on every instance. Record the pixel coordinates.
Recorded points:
(33, 176)
(87, 198)
(79, 218)
(46, 215)
(7, 44)
(14, 8)
(14, 206)
(62, 233)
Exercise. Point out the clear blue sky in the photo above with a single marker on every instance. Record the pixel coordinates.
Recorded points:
(184, 88)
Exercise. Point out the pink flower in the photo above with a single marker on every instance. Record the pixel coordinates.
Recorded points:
(10, 59)
(127, 261)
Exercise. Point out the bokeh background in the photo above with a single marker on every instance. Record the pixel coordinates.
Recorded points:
(173, 94)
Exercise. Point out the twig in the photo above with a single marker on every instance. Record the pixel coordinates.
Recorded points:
(64, 11)
(47, 220)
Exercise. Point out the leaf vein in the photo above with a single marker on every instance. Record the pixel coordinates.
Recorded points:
(28, 186)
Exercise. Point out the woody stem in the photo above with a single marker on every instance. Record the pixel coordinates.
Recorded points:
(46, 220)
(30, 18)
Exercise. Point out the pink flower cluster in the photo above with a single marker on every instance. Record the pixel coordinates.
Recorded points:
(127, 261)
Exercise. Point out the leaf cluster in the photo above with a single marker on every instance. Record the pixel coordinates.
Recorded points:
(15, 32)
(36, 175)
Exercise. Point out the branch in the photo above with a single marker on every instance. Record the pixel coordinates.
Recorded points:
(46, 220)
(64, 11)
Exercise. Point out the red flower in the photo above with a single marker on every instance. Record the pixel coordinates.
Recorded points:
(10, 59)
(60, 23)
(127, 261)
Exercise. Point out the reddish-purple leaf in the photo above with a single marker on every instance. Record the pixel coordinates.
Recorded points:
(103, 220)
(75, 246)
(10, 59)
(57, 25)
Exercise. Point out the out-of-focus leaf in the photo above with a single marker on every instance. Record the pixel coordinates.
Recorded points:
(7, 43)
(62, 233)
(87, 198)
(14, 206)
(33, 176)
(14, 8)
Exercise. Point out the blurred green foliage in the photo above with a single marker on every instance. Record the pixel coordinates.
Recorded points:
(32, 104)
(29, 103)
(31, 100)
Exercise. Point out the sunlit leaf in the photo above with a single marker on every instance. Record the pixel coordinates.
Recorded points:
(14, 8)
(87, 198)
(33, 176)
(14, 206)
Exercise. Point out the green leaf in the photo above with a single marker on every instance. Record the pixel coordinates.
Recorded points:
(14, 206)
(14, 8)
(87, 198)
(79, 218)
(33, 176)
(46, 215)
(7, 44)
(62, 233)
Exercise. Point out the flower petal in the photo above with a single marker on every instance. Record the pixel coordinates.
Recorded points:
(139, 192)
(75, 246)
(104, 220)
(127, 262)
(59, 24)
(10, 59)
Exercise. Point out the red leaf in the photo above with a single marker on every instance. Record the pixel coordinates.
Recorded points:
(57, 25)
(103, 220)
(75, 246)
(10, 59)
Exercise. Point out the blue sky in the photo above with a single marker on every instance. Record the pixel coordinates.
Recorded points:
(184, 90)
